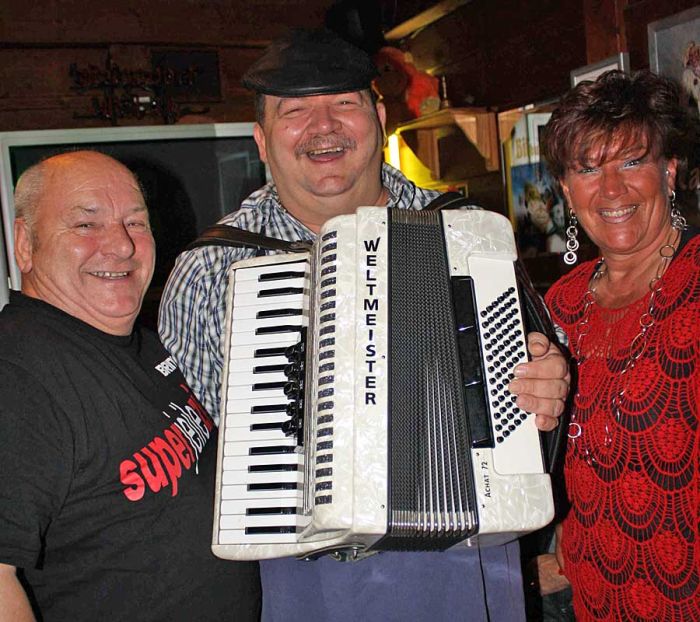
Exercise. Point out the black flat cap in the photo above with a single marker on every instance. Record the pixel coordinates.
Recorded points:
(310, 62)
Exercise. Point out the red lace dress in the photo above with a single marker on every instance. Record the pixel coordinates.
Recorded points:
(631, 542)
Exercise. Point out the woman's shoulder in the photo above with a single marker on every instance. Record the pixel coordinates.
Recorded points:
(565, 299)
(574, 281)
(684, 273)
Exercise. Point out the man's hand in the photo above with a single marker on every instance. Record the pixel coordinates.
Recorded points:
(549, 579)
(542, 384)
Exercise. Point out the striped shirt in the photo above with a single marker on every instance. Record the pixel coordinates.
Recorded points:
(192, 310)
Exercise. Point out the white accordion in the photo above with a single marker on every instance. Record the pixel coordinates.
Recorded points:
(365, 404)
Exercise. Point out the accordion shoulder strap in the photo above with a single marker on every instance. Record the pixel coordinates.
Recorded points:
(224, 235)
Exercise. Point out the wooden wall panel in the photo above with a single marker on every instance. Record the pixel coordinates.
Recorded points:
(505, 53)
(500, 54)
(200, 22)
(39, 40)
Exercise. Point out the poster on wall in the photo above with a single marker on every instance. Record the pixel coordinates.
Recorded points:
(674, 51)
(535, 205)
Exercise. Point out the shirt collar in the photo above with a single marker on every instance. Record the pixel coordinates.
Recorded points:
(400, 189)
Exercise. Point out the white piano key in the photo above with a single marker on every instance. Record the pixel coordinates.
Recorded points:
(238, 536)
(240, 448)
(241, 521)
(247, 351)
(252, 324)
(244, 421)
(240, 506)
(287, 477)
(250, 378)
(266, 304)
(285, 300)
(277, 339)
(245, 434)
(243, 406)
(252, 274)
(235, 463)
(242, 365)
(240, 393)
(248, 286)
(240, 491)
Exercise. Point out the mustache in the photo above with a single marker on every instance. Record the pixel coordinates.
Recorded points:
(316, 143)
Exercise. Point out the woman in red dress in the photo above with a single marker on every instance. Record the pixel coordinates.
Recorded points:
(631, 542)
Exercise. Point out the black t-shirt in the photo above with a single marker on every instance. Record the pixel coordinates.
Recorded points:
(107, 475)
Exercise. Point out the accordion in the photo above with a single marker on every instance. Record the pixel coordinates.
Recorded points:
(365, 403)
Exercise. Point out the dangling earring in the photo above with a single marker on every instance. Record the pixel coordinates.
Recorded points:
(678, 221)
(571, 240)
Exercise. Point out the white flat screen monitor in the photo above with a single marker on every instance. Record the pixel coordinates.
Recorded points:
(192, 176)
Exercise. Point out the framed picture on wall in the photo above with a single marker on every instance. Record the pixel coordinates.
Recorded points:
(592, 71)
(674, 51)
(535, 206)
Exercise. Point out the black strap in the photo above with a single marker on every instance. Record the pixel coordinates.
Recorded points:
(224, 235)
(449, 200)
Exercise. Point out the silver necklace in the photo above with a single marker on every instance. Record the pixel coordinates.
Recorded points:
(637, 345)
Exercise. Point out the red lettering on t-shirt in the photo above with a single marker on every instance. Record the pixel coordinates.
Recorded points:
(170, 460)
(155, 477)
(135, 486)
(177, 440)
(193, 402)
(158, 464)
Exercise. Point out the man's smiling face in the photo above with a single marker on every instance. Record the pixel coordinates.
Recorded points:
(322, 146)
(89, 251)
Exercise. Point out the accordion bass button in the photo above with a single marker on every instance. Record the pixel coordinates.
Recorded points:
(293, 371)
(292, 390)
(292, 410)
(295, 353)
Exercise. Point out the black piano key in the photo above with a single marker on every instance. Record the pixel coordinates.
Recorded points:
(279, 276)
(268, 369)
(266, 386)
(266, 352)
(271, 510)
(265, 530)
(268, 408)
(276, 425)
(269, 450)
(282, 328)
(274, 486)
(280, 291)
(267, 313)
(272, 468)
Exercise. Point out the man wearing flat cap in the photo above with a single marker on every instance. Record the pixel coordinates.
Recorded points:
(321, 133)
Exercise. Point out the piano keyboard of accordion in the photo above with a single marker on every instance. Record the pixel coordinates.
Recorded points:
(408, 326)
